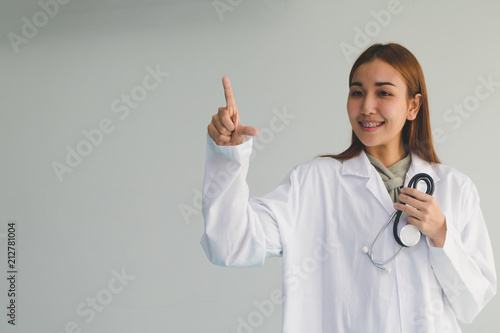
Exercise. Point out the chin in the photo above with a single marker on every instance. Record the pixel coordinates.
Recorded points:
(368, 143)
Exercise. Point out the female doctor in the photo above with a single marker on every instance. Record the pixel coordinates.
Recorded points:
(327, 215)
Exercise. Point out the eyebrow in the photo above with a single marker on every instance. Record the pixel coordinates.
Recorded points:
(377, 84)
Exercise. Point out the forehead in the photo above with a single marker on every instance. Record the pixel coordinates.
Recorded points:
(378, 71)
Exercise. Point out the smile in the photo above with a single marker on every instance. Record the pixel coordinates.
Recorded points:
(371, 125)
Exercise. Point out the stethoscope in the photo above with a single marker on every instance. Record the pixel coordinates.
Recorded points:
(409, 234)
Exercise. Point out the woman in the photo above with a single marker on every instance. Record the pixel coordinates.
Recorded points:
(324, 216)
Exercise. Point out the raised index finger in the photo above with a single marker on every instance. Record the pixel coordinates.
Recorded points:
(228, 92)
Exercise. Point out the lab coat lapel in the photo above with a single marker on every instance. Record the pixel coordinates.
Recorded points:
(360, 166)
(418, 165)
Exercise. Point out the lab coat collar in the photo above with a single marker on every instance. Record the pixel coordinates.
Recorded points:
(360, 166)
(419, 165)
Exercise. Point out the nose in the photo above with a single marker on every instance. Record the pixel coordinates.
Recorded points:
(369, 105)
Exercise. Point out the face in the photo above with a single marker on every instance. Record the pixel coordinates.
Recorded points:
(378, 106)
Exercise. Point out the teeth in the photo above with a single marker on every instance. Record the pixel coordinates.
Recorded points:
(370, 124)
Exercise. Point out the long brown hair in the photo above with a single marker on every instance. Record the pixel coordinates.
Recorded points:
(417, 135)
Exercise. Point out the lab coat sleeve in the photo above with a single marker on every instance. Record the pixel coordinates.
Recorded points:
(465, 267)
(241, 231)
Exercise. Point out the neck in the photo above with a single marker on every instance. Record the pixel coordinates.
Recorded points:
(387, 155)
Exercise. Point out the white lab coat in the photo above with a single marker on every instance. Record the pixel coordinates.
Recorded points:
(319, 218)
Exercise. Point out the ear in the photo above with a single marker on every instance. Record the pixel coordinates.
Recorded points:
(414, 106)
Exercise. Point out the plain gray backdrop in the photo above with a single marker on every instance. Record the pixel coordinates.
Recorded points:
(108, 241)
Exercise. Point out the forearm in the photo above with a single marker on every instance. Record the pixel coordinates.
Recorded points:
(232, 236)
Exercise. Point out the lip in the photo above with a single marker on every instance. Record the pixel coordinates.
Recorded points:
(370, 129)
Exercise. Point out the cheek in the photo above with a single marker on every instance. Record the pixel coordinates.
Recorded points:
(395, 112)
(352, 108)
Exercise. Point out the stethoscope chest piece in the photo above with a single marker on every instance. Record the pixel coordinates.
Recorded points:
(409, 235)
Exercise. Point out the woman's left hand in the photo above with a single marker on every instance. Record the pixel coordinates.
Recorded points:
(424, 213)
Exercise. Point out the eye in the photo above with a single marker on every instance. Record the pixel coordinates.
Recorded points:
(384, 93)
(356, 93)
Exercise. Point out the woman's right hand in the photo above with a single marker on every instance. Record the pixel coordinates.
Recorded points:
(225, 128)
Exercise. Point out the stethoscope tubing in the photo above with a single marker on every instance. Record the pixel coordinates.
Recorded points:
(413, 183)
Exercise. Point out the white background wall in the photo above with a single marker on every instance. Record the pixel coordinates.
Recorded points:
(132, 206)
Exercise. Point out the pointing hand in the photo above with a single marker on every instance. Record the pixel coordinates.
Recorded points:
(226, 128)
